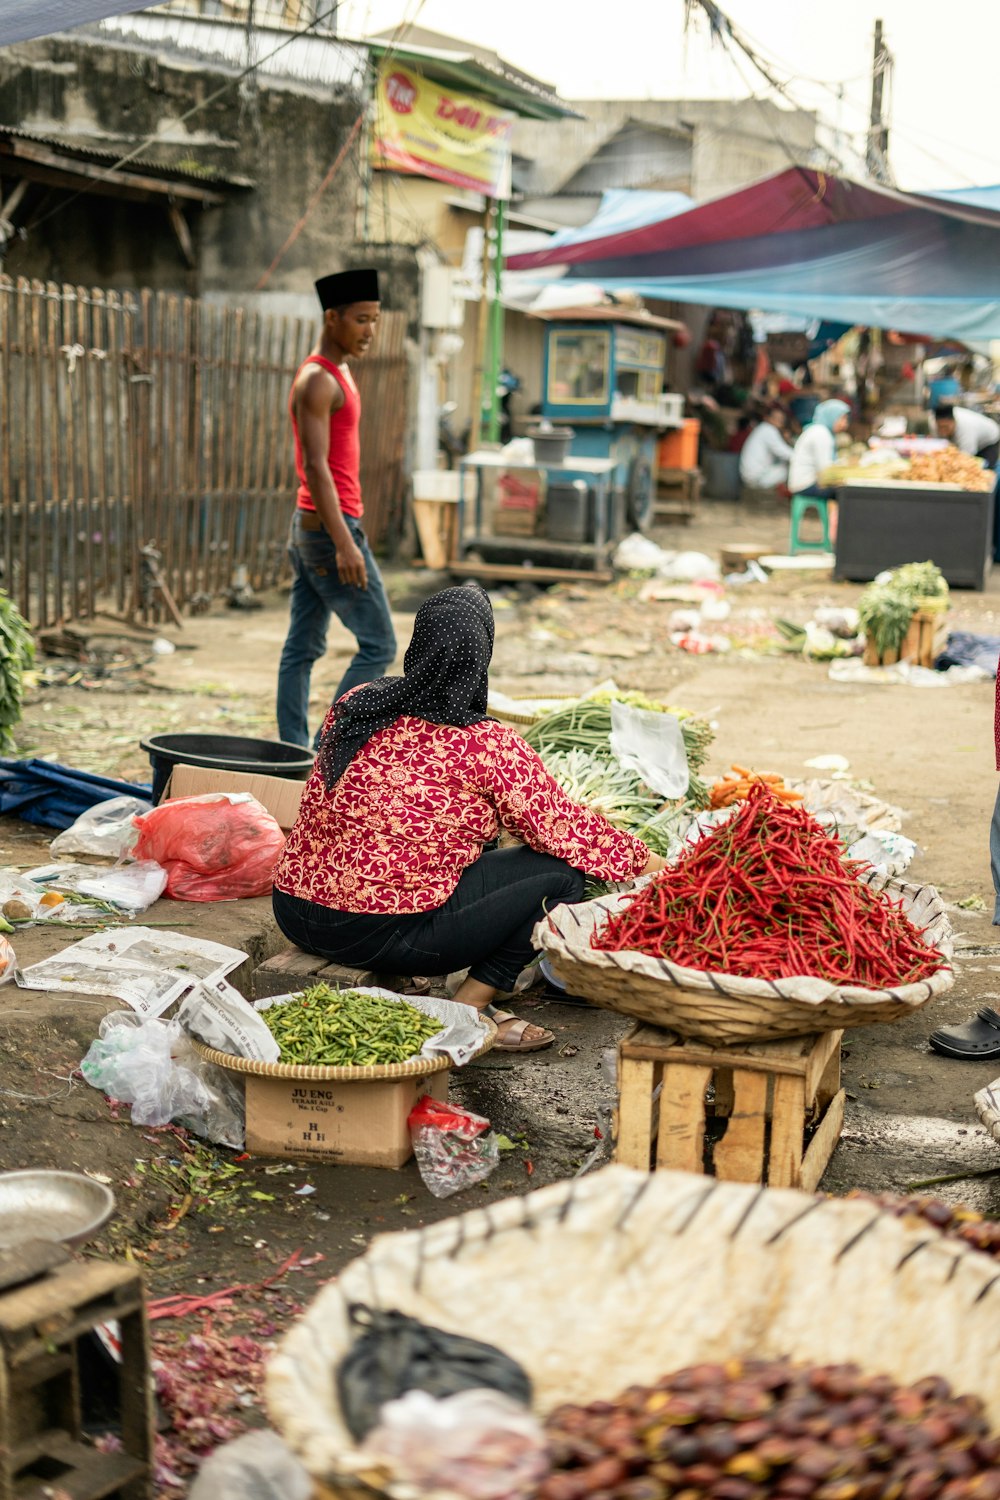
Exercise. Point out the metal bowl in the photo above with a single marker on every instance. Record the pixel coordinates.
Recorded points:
(63, 1206)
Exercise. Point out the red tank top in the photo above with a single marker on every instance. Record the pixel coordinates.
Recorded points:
(345, 443)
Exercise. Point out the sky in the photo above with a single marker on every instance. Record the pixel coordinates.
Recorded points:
(942, 95)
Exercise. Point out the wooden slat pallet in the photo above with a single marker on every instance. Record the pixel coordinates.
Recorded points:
(752, 1127)
(42, 1321)
(293, 970)
(923, 643)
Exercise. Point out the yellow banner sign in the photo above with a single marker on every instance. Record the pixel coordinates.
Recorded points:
(425, 128)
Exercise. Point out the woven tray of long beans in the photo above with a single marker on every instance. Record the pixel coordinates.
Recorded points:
(761, 929)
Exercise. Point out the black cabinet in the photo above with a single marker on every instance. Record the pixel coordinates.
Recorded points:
(882, 525)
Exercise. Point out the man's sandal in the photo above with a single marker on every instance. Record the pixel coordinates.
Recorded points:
(512, 1039)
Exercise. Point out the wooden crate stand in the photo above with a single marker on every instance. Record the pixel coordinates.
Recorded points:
(42, 1452)
(767, 1095)
(923, 643)
(678, 492)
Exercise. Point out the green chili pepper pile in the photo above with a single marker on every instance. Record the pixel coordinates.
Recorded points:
(323, 1027)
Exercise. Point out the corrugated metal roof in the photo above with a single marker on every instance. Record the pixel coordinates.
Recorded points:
(73, 146)
(303, 57)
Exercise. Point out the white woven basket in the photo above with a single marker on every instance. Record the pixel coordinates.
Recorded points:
(624, 1276)
(987, 1103)
(725, 1008)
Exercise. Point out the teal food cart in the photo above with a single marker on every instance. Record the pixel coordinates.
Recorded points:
(603, 376)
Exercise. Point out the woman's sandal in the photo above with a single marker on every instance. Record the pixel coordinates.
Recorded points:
(512, 1038)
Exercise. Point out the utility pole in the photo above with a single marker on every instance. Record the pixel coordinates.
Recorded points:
(877, 155)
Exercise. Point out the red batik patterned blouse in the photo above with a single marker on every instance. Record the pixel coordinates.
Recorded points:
(415, 807)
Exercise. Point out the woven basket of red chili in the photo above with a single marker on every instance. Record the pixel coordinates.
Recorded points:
(762, 929)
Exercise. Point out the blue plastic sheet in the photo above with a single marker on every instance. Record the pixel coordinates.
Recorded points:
(54, 796)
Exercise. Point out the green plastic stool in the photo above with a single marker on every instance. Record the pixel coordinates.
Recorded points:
(801, 505)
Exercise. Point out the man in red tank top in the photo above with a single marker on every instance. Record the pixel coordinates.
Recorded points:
(334, 570)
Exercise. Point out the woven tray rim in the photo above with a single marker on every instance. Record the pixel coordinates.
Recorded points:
(987, 1103)
(796, 1227)
(418, 1067)
(556, 936)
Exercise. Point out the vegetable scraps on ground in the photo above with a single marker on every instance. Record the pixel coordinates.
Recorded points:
(769, 895)
(324, 1027)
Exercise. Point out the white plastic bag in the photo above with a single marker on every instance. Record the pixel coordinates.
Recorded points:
(637, 554)
(106, 828)
(651, 745)
(133, 887)
(479, 1444)
(151, 1065)
(257, 1466)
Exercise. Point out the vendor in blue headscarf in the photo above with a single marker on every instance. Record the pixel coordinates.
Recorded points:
(816, 448)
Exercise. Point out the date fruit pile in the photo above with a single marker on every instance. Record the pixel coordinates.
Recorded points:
(773, 1430)
(955, 1221)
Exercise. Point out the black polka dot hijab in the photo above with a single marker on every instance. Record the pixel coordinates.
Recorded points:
(445, 678)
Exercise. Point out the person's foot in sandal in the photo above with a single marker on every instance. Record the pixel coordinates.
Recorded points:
(977, 1040)
(517, 1035)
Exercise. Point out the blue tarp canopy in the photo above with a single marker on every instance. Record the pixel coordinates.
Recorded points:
(21, 19)
(804, 242)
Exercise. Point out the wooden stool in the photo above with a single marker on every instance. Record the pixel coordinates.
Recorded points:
(48, 1305)
(753, 1129)
(801, 505)
(293, 970)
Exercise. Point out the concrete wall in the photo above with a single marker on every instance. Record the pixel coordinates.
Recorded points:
(733, 142)
(94, 93)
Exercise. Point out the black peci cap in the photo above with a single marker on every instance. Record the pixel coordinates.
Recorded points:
(346, 287)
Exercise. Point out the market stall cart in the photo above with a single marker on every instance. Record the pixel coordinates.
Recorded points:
(603, 375)
(561, 519)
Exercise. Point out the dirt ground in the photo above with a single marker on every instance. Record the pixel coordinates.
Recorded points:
(195, 1224)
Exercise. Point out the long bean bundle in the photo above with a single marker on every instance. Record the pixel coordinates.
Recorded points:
(608, 788)
(769, 895)
(586, 724)
(323, 1027)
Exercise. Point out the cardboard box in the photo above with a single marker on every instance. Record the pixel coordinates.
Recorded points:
(356, 1124)
(278, 794)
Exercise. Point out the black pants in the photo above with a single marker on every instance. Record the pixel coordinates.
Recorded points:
(484, 926)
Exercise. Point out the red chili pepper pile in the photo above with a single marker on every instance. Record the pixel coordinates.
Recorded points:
(768, 895)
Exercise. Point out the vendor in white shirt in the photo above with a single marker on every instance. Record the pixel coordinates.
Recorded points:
(970, 431)
(816, 448)
(765, 456)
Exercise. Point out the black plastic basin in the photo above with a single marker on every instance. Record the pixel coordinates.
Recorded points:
(224, 752)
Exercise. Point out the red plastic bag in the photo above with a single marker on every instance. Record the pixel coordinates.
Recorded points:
(217, 847)
(454, 1148)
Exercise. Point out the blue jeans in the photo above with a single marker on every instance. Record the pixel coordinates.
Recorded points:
(317, 593)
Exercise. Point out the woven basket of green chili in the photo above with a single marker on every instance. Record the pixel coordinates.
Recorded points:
(417, 1066)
